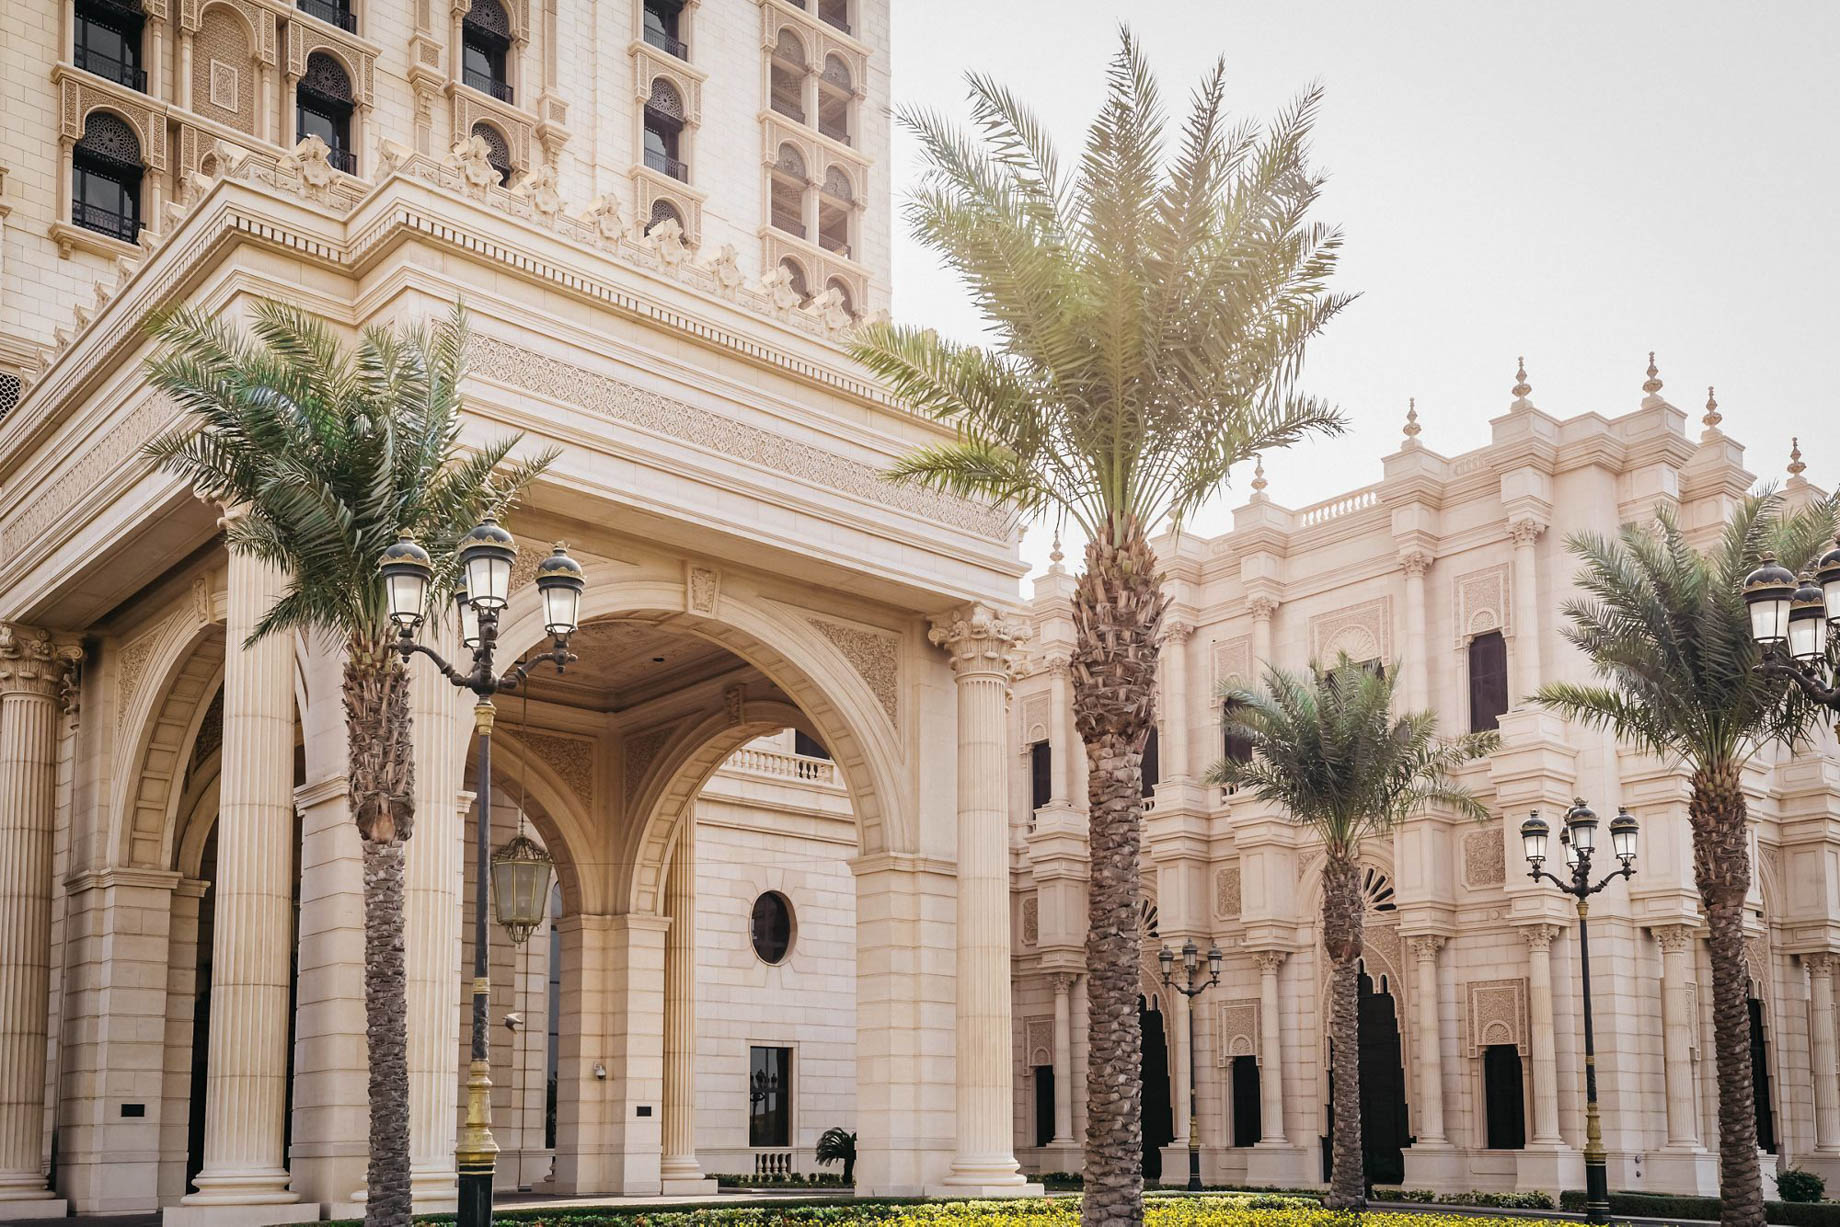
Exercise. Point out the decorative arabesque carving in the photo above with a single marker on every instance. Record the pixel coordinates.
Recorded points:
(1239, 1029)
(1483, 853)
(641, 749)
(1031, 920)
(1481, 602)
(1232, 661)
(701, 588)
(1364, 631)
(1039, 1040)
(571, 758)
(876, 658)
(1497, 1014)
(1226, 893)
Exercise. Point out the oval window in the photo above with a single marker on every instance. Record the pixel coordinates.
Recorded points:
(772, 927)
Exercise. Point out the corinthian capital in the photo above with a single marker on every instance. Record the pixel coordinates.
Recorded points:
(1526, 530)
(1262, 607)
(981, 639)
(33, 661)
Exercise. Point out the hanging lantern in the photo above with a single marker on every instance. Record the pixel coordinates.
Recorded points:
(521, 873)
(1767, 593)
(486, 556)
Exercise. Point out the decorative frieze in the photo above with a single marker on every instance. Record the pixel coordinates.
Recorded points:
(1483, 858)
(1497, 1014)
(1240, 1029)
(1480, 602)
(1364, 631)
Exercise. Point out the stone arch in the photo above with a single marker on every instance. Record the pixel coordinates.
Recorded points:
(227, 48)
(170, 674)
(561, 817)
(122, 115)
(1358, 641)
(341, 59)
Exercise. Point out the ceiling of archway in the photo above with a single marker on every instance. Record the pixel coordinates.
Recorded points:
(625, 664)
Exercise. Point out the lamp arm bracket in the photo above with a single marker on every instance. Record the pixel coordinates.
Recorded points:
(1802, 676)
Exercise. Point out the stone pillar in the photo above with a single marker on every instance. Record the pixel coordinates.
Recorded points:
(1065, 750)
(1677, 1033)
(1544, 1059)
(246, 1088)
(1271, 1050)
(1176, 1007)
(1418, 686)
(1527, 674)
(678, 1169)
(30, 677)
(1173, 749)
(1262, 607)
(1430, 1124)
(1063, 1059)
(981, 641)
(1825, 1052)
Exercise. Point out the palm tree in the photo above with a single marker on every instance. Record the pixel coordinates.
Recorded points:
(1146, 328)
(1328, 750)
(1665, 627)
(333, 455)
(838, 1145)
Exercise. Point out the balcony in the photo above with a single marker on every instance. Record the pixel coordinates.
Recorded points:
(667, 43)
(665, 164)
(788, 222)
(488, 85)
(831, 242)
(111, 69)
(105, 221)
(343, 159)
(331, 12)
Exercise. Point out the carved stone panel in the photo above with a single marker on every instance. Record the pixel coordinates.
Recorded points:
(1497, 1014)
(571, 758)
(1031, 921)
(874, 656)
(1364, 631)
(1036, 710)
(1226, 893)
(1239, 1029)
(1479, 602)
(1232, 661)
(1038, 1041)
(1483, 853)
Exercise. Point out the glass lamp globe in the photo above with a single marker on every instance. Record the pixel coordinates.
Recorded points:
(1807, 622)
(1534, 833)
(1768, 592)
(521, 873)
(486, 556)
(1827, 574)
(560, 583)
(1581, 824)
(1167, 958)
(1623, 829)
(1214, 960)
(469, 617)
(406, 571)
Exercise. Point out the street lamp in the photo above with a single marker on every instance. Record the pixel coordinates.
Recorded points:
(519, 874)
(1580, 840)
(1793, 621)
(1191, 967)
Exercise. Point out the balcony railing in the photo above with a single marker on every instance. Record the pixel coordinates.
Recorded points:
(666, 43)
(831, 242)
(665, 164)
(343, 159)
(788, 222)
(331, 12)
(112, 69)
(785, 766)
(105, 221)
(837, 132)
(486, 84)
(790, 108)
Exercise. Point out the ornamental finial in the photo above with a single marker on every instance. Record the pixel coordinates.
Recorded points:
(1796, 467)
(1713, 416)
(1412, 427)
(1054, 554)
(1521, 386)
(1258, 477)
(1652, 384)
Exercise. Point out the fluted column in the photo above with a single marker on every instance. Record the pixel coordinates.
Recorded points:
(1825, 1052)
(246, 1086)
(31, 671)
(1545, 1062)
(1430, 1128)
(1063, 1060)
(1173, 750)
(1271, 1050)
(679, 1165)
(1677, 1032)
(1066, 752)
(981, 642)
(1418, 686)
(433, 882)
(1175, 1008)
(1263, 608)
(1526, 609)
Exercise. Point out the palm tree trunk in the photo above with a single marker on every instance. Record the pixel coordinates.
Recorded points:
(383, 805)
(1342, 922)
(1117, 610)
(1722, 867)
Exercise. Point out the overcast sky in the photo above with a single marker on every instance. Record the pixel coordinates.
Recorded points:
(1578, 182)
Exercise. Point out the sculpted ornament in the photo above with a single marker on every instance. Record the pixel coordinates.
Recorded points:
(980, 639)
(667, 238)
(473, 157)
(538, 186)
(727, 270)
(32, 662)
(604, 216)
(311, 164)
(777, 285)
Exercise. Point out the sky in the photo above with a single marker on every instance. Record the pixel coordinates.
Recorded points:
(1576, 182)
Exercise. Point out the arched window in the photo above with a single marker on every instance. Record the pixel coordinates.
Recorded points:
(836, 12)
(322, 106)
(1488, 681)
(485, 41)
(498, 152)
(664, 20)
(1152, 774)
(835, 205)
(843, 292)
(787, 191)
(796, 275)
(333, 12)
(108, 41)
(662, 211)
(664, 131)
(835, 99)
(787, 74)
(105, 178)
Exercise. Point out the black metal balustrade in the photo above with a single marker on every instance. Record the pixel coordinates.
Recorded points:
(330, 12)
(665, 164)
(116, 225)
(666, 43)
(488, 85)
(111, 69)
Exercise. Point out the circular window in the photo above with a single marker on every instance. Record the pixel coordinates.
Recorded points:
(772, 927)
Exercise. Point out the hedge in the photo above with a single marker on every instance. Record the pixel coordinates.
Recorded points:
(1706, 1209)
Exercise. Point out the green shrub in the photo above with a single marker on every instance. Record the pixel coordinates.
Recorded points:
(1794, 1184)
(1667, 1205)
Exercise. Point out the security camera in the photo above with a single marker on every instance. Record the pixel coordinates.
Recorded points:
(514, 1020)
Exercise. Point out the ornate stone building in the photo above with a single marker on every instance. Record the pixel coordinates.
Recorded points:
(1453, 570)
(663, 218)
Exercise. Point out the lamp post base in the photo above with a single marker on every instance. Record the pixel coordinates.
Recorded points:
(475, 1208)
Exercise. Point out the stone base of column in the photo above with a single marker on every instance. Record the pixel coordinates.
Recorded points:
(1060, 1155)
(1689, 1171)
(995, 1176)
(34, 1207)
(1438, 1166)
(434, 1190)
(1175, 1165)
(1823, 1163)
(246, 1214)
(688, 1186)
(1549, 1169)
(1283, 1165)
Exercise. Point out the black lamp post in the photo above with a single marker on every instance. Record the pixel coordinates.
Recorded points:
(1191, 967)
(1580, 839)
(1794, 621)
(520, 872)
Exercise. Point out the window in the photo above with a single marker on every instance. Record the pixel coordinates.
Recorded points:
(1488, 681)
(807, 746)
(485, 39)
(108, 42)
(663, 211)
(1760, 1078)
(769, 1096)
(834, 99)
(786, 73)
(1248, 1126)
(322, 104)
(771, 927)
(1504, 1097)
(664, 27)
(836, 201)
(795, 278)
(1041, 774)
(1237, 747)
(333, 12)
(786, 192)
(498, 152)
(844, 299)
(1044, 1104)
(664, 131)
(835, 12)
(553, 1052)
(105, 179)
(1151, 777)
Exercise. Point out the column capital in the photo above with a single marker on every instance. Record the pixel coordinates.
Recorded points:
(1176, 631)
(1058, 664)
(1539, 936)
(1415, 562)
(981, 639)
(1269, 960)
(1822, 963)
(1674, 938)
(1262, 606)
(34, 661)
(1525, 530)
(1063, 981)
(1425, 946)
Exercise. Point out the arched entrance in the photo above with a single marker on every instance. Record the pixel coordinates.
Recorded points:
(1158, 1117)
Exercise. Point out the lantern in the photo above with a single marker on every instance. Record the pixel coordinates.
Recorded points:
(1827, 574)
(1167, 958)
(1623, 837)
(1581, 824)
(486, 555)
(559, 582)
(1191, 957)
(406, 571)
(1767, 593)
(1214, 958)
(521, 872)
(1807, 622)
(469, 618)
(1533, 839)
